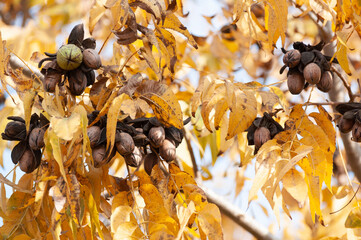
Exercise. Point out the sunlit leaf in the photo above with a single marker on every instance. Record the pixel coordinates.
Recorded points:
(163, 102)
(354, 218)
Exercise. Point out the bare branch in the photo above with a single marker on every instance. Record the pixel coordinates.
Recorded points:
(28, 71)
(238, 216)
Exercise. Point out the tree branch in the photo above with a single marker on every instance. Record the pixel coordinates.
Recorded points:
(27, 70)
(238, 216)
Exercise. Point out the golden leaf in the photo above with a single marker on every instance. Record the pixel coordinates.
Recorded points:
(341, 53)
(244, 111)
(295, 185)
(151, 6)
(158, 214)
(210, 221)
(93, 211)
(268, 155)
(163, 102)
(28, 101)
(354, 218)
(96, 12)
(172, 22)
(112, 118)
(71, 124)
(184, 213)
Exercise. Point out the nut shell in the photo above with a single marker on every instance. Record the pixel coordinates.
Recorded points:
(150, 160)
(326, 82)
(347, 121)
(292, 58)
(16, 130)
(168, 150)
(135, 158)
(261, 135)
(124, 143)
(156, 136)
(312, 73)
(36, 138)
(27, 162)
(99, 156)
(94, 135)
(77, 82)
(295, 82)
(50, 81)
(91, 58)
(356, 132)
(69, 57)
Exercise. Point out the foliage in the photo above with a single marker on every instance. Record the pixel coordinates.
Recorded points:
(145, 80)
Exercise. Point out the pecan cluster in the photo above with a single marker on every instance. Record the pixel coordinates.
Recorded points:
(262, 129)
(135, 140)
(74, 62)
(28, 151)
(350, 120)
(307, 65)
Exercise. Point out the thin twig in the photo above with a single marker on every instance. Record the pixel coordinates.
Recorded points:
(345, 83)
(324, 103)
(196, 172)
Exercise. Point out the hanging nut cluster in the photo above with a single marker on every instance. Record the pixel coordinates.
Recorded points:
(262, 129)
(350, 120)
(135, 140)
(76, 61)
(307, 65)
(28, 151)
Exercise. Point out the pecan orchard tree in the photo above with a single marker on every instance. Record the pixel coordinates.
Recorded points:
(119, 129)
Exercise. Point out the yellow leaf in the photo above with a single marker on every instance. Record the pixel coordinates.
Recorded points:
(276, 21)
(93, 211)
(51, 107)
(163, 102)
(237, 10)
(28, 101)
(295, 185)
(354, 218)
(58, 193)
(184, 213)
(314, 194)
(341, 53)
(54, 149)
(172, 22)
(120, 215)
(244, 111)
(302, 152)
(151, 6)
(83, 125)
(207, 106)
(210, 221)
(65, 128)
(157, 212)
(22, 237)
(268, 154)
(96, 12)
(112, 118)
(325, 10)
(73, 196)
